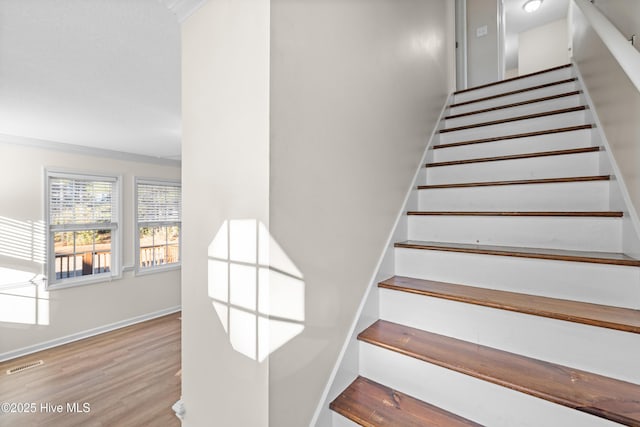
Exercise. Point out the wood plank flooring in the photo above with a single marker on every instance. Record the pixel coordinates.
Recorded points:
(129, 378)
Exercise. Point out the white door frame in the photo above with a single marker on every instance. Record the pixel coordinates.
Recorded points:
(461, 44)
(502, 38)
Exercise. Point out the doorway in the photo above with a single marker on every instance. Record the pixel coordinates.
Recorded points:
(535, 40)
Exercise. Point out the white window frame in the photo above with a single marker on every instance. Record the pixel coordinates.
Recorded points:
(115, 226)
(156, 268)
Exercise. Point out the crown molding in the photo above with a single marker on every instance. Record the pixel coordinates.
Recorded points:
(183, 8)
(88, 151)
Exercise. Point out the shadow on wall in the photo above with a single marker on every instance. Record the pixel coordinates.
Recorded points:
(23, 298)
(256, 290)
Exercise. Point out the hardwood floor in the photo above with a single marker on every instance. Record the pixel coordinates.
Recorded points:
(128, 377)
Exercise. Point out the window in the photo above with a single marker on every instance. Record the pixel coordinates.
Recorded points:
(82, 225)
(159, 216)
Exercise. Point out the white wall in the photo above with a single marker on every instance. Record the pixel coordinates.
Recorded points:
(353, 90)
(225, 81)
(356, 90)
(482, 52)
(73, 310)
(617, 104)
(624, 14)
(543, 47)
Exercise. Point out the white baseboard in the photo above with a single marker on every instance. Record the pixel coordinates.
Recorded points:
(86, 334)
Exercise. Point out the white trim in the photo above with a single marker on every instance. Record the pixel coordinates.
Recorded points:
(136, 262)
(621, 49)
(115, 227)
(158, 269)
(373, 282)
(86, 334)
(630, 209)
(461, 38)
(502, 28)
(86, 151)
(168, 182)
(81, 281)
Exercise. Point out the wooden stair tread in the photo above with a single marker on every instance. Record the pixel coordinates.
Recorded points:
(518, 182)
(524, 76)
(514, 136)
(515, 156)
(598, 214)
(612, 399)
(371, 404)
(515, 119)
(514, 92)
(622, 319)
(515, 104)
(522, 252)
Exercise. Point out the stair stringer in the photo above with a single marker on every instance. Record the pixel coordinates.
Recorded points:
(347, 366)
(619, 199)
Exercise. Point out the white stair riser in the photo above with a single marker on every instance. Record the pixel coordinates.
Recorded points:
(571, 233)
(553, 121)
(568, 165)
(466, 396)
(556, 341)
(590, 195)
(580, 281)
(549, 142)
(511, 99)
(537, 107)
(508, 86)
(340, 421)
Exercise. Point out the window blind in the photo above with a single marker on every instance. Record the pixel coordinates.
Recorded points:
(81, 201)
(159, 203)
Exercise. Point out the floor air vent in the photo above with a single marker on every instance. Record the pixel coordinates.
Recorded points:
(24, 367)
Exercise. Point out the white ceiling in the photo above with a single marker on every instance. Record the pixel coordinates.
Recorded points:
(106, 73)
(517, 21)
(97, 73)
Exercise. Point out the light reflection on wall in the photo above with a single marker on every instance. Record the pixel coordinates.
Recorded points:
(429, 43)
(256, 290)
(24, 240)
(23, 298)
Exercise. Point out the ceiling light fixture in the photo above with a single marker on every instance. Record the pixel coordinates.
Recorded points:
(532, 5)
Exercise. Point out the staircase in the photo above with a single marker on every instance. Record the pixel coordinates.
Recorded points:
(513, 304)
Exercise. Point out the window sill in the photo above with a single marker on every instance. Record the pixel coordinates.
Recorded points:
(154, 270)
(75, 283)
